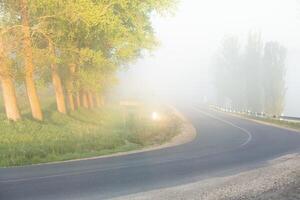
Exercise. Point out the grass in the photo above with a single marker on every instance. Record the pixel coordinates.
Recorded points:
(81, 134)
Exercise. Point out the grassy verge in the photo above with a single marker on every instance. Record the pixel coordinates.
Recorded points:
(81, 134)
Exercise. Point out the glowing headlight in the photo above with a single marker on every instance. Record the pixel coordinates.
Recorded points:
(155, 116)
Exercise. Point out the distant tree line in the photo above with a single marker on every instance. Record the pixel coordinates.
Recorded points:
(251, 78)
(75, 46)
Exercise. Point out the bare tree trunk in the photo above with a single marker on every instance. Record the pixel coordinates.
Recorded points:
(8, 89)
(10, 99)
(78, 100)
(58, 88)
(59, 93)
(85, 100)
(90, 99)
(70, 99)
(69, 87)
(28, 60)
(99, 100)
(102, 97)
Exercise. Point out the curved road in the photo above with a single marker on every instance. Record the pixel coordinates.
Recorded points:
(224, 145)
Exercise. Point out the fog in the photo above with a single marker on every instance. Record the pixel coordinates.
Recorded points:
(181, 67)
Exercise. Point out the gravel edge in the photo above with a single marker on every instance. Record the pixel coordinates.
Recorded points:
(277, 180)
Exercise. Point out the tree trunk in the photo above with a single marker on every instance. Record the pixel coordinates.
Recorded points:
(58, 88)
(70, 98)
(8, 89)
(99, 100)
(78, 100)
(85, 100)
(10, 99)
(102, 97)
(90, 99)
(69, 86)
(28, 61)
(59, 93)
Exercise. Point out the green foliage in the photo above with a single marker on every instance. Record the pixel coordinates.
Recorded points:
(98, 36)
(84, 43)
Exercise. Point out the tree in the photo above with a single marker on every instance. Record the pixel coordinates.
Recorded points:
(58, 87)
(254, 80)
(274, 78)
(28, 62)
(76, 45)
(253, 72)
(229, 79)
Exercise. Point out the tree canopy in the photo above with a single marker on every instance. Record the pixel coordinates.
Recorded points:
(76, 46)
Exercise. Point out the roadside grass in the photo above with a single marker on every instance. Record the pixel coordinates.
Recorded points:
(81, 134)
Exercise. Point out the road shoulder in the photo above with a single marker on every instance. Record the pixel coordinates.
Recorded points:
(260, 121)
(275, 181)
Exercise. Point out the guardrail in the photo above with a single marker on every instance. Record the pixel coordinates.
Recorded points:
(257, 114)
(288, 118)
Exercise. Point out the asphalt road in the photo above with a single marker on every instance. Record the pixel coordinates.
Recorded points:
(224, 145)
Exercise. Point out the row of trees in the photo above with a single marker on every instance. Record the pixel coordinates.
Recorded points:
(76, 46)
(251, 78)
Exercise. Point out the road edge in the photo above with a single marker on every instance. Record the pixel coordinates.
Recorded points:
(250, 184)
(260, 122)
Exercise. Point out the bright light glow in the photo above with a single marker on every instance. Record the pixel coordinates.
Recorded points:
(155, 116)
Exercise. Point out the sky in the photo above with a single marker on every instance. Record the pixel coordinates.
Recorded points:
(189, 38)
